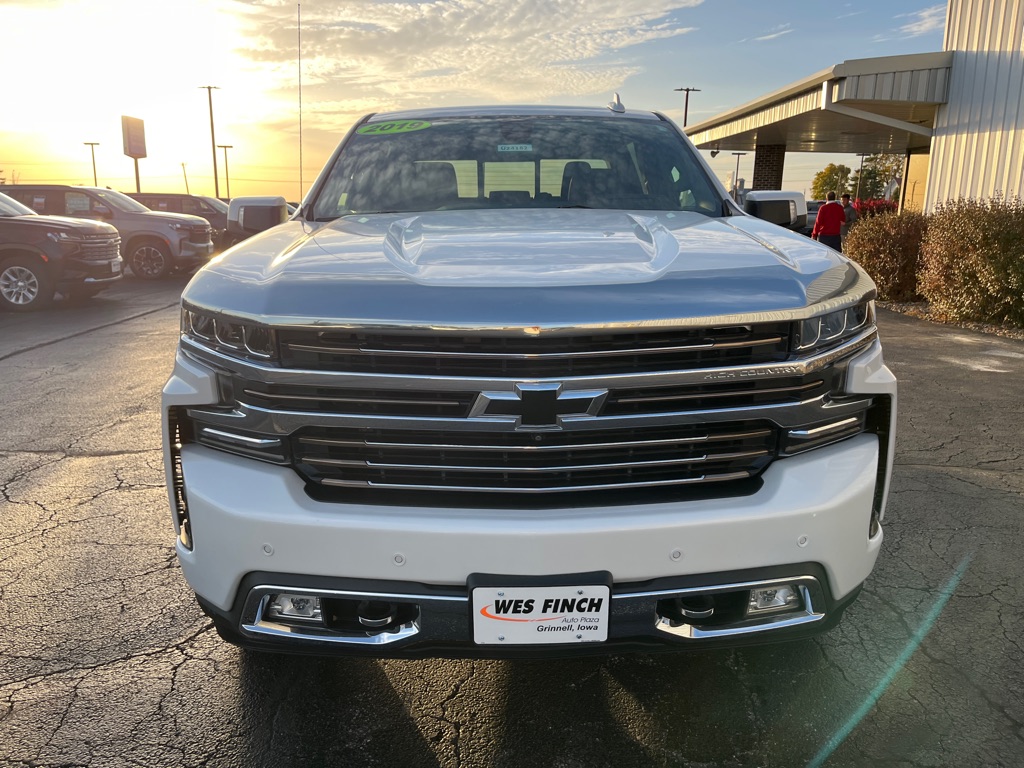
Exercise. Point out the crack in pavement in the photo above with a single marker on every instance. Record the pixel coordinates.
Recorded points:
(119, 321)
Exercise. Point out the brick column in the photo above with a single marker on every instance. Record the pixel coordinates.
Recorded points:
(769, 160)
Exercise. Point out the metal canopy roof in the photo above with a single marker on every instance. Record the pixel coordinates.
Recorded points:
(885, 104)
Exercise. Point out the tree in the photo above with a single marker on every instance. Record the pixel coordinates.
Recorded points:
(867, 185)
(879, 170)
(834, 178)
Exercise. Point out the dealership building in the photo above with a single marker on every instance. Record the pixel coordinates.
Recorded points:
(956, 115)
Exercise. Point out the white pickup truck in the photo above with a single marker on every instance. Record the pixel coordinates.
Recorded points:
(525, 381)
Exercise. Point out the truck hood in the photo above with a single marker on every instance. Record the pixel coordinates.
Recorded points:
(78, 226)
(168, 216)
(552, 267)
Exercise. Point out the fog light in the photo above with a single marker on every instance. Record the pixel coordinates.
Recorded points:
(779, 598)
(286, 606)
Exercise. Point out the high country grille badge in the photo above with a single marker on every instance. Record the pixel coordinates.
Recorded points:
(538, 407)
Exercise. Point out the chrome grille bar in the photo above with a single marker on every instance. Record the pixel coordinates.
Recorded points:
(535, 448)
(551, 489)
(761, 391)
(558, 468)
(336, 399)
(470, 355)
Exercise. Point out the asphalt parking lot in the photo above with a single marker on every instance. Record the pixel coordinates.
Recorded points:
(105, 660)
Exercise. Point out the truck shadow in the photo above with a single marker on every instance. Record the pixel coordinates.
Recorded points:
(722, 707)
(310, 711)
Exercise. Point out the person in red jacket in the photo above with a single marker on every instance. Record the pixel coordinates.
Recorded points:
(828, 222)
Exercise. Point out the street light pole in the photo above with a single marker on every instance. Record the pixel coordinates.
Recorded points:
(92, 148)
(186, 178)
(686, 102)
(227, 176)
(213, 140)
(736, 178)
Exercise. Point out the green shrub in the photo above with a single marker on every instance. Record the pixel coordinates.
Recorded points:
(888, 245)
(972, 261)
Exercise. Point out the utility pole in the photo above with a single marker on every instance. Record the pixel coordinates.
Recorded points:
(686, 102)
(186, 178)
(213, 141)
(92, 148)
(736, 178)
(298, 13)
(227, 176)
(860, 174)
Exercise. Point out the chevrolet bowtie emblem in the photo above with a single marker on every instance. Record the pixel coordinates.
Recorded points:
(538, 407)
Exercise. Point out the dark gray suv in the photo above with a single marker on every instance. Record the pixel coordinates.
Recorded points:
(44, 255)
(153, 243)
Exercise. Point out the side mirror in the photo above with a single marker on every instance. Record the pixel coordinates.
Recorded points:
(249, 215)
(787, 209)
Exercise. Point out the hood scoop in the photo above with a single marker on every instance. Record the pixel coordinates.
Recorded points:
(531, 248)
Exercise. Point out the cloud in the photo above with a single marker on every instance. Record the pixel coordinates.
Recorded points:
(771, 34)
(779, 31)
(924, 21)
(396, 53)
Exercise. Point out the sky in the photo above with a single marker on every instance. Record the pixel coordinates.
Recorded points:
(72, 68)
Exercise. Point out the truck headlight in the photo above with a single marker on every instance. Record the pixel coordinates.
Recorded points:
(229, 335)
(68, 242)
(824, 331)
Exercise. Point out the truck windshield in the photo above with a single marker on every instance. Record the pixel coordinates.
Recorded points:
(119, 201)
(218, 205)
(516, 162)
(11, 207)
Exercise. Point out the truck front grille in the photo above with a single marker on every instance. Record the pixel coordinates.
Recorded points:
(357, 414)
(455, 354)
(99, 247)
(199, 234)
(539, 462)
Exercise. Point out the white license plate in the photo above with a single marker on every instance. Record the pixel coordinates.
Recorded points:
(540, 615)
(115, 266)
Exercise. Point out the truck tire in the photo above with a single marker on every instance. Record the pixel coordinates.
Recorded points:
(149, 259)
(24, 284)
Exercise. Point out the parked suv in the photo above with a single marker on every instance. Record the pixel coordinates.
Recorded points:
(152, 243)
(210, 208)
(43, 255)
(524, 380)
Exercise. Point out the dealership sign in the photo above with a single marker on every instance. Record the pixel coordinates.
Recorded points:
(133, 132)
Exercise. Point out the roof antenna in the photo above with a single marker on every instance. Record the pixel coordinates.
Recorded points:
(615, 105)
